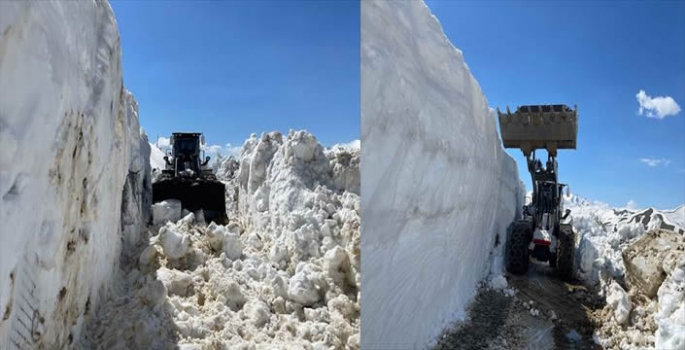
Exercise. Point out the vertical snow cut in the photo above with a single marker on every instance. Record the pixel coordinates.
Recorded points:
(439, 190)
(69, 136)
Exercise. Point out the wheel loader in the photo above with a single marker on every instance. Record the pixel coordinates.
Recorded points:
(188, 178)
(544, 232)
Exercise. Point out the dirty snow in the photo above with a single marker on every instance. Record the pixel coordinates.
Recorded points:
(644, 295)
(73, 176)
(284, 273)
(432, 162)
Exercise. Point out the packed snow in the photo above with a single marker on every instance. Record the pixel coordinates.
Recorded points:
(439, 191)
(284, 273)
(645, 293)
(74, 182)
(156, 157)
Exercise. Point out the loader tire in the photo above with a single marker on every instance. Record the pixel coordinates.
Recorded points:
(565, 253)
(517, 248)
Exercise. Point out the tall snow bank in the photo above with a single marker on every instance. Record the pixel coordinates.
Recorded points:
(72, 173)
(438, 187)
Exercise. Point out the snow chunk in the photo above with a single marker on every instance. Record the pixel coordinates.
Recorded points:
(233, 246)
(175, 282)
(619, 301)
(498, 283)
(166, 211)
(175, 242)
(306, 285)
(258, 312)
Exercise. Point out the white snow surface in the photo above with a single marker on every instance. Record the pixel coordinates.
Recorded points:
(283, 274)
(73, 177)
(156, 157)
(438, 187)
(603, 234)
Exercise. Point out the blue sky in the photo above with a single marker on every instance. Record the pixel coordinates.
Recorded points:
(597, 55)
(232, 68)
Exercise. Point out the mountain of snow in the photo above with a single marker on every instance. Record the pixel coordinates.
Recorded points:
(73, 175)
(438, 189)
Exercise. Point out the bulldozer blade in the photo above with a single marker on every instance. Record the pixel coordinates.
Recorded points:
(550, 127)
(194, 194)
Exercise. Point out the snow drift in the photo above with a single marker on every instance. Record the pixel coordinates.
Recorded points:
(644, 293)
(284, 273)
(73, 173)
(439, 191)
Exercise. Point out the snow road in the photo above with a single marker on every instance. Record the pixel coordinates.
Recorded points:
(602, 308)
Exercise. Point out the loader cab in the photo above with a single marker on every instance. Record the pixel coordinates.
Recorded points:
(186, 154)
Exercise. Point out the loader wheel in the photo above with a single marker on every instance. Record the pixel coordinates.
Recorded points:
(565, 252)
(517, 248)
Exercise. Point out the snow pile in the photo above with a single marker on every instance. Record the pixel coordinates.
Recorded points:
(439, 191)
(605, 232)
(636, 259)
(284, 273)
(73, 176)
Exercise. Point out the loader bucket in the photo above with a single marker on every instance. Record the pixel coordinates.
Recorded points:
(550, 127)
(194, 194)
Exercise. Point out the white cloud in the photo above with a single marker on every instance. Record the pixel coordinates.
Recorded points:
(225, 150)
(654, 162)
(658, 107)
(214, 149)
(163, 143)
(354, 144)
(632, 205)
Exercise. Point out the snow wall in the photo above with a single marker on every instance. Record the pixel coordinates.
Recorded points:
(438, 189)
(74, 177)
